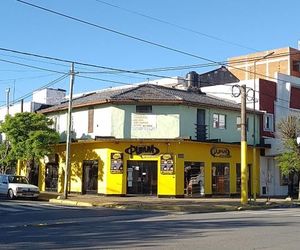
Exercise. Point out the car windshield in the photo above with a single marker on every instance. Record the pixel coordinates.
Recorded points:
(17, 179)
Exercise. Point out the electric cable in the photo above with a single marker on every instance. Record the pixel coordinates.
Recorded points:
(177, 26)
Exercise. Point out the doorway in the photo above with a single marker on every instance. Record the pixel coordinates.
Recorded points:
(51, 177)
(89, 177)
(220, 178)
(142, 177)
(194, 179)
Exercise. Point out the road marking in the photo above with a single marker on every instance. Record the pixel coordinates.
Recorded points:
(8, 209)
(19, 206)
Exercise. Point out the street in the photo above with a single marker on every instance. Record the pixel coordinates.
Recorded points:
(40, 225)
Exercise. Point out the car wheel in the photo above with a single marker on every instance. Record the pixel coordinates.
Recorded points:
(10, 194)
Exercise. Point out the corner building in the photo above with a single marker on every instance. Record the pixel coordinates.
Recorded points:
(150, 140)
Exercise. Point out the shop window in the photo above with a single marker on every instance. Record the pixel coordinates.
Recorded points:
(220, 178)
(238, 123)
(194, 179)
(219, 121)
(268, 122)
(144, 109)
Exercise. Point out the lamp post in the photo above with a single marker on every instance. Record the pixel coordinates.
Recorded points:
(254, 124)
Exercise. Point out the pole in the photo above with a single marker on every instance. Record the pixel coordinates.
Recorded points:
(244, 189)
(68, 142)
(7, 100)
(254, 135)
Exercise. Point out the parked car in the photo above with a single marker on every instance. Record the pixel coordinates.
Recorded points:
(15, 186)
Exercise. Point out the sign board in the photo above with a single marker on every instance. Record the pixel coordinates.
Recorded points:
(166, 164)
(116, 165)
(143, 122)
(142, 150)
(221, 152)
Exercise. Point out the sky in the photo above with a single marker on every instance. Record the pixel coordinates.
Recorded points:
(146, 35)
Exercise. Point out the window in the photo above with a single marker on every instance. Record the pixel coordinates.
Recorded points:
(294, 98)
(219, 121)
(268, 122)
(238, 123)
(144, 109)
(296, 66)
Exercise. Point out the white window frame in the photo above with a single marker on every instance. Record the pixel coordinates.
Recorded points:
(217, 121)
(268, 122)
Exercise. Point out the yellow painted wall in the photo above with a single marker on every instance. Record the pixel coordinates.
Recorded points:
(168, 184)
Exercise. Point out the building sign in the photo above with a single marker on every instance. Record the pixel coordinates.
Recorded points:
(220, 152)
(116, 165)
(143, 122)
(142, 150)
(166, 164)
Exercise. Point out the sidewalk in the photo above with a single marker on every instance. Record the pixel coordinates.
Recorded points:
(199, 205)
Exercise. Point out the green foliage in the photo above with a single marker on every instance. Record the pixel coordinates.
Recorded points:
(29, 135)
(289, 160)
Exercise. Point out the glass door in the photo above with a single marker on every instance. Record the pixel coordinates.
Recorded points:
(51, 177)
(89, 177)
(142, 177)
(220, 178)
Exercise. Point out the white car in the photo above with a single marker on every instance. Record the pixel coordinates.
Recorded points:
(15, 186)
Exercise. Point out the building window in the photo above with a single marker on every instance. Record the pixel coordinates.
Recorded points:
(268, 122)
(238, 123)
(294, 98)
(219, 121)
(296, 66)
(144, 109)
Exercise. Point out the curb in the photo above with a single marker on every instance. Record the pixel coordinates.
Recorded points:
(71, 203)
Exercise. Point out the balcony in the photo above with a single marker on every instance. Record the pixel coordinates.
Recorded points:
(201, 132)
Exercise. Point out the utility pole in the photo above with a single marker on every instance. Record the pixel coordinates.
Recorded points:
(244, 174)
(68, 142)
(7, 100)
(254, 125)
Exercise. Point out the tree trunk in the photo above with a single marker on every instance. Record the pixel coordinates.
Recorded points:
(29, 167)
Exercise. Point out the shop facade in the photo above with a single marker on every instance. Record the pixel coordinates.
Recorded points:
(163, 168)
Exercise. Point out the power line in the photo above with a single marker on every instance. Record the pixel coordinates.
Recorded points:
(176, 25)
(33, 67)
(25, 78)
(102, 67)
(40, 88)
(116, 32)
(131, 37)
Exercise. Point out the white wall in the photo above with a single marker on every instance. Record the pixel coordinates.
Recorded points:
(16, 108)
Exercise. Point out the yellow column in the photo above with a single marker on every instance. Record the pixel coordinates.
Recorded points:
(244, 185)
(19, 167)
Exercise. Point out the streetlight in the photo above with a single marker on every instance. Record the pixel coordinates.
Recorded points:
(254, 122)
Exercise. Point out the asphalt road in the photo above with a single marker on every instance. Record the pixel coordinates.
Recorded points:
(40, 225)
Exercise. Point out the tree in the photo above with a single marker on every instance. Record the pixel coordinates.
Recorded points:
(289, 160)
(7, 160)
(29, 136)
